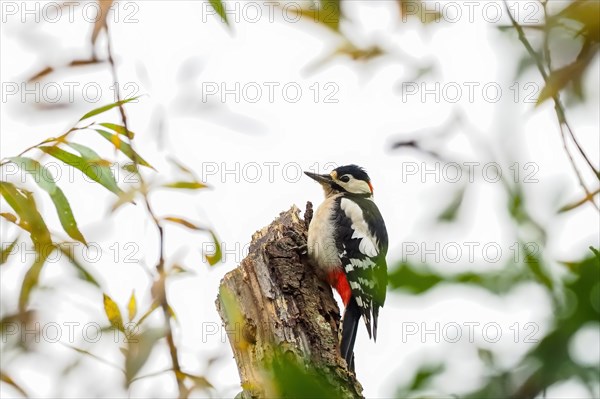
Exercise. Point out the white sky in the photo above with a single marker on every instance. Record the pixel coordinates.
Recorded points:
(174, 53)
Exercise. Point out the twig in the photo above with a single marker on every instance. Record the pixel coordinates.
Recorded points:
(59, 139)
(558, 107)
(96, 357)
(164, 304)
(113, 69)
(561, 114)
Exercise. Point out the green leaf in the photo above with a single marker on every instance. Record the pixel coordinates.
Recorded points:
(113, 313)
(106, 108)
(32, 278)
(139, 349)
(124, 147)
(89, 163)
(23, 203)
(88, 154)
(122, 130)
(535, 265)
(220, 9)
(293, 379)
(188, 185)
(405, 277)
(130, 167)
(216, 257)
(449, 214)
(421, 380)
(583, 308)
(132, 306)
(43, 177)
(420, 279)
(6, 251)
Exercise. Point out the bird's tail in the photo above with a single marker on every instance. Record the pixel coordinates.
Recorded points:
(349, 328)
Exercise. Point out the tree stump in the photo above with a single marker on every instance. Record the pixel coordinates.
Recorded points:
(273, 305)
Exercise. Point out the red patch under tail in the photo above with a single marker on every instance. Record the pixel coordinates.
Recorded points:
(337, 279)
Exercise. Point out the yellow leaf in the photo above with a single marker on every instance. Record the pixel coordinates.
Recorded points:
(113, 313)
(116, 141)
(184, 222)
(216, 256)
(189, 185)
(132, 306)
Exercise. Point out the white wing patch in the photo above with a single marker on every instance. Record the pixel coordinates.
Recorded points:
(368, 283)
(368, 243)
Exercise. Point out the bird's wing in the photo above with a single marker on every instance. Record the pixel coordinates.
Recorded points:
(362, 245)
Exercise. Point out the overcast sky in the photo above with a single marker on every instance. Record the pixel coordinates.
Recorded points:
(248, 108)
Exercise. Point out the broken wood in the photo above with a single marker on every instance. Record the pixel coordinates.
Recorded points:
(273, 304)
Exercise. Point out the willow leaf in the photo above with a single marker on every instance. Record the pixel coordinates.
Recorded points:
(43, 177)
(89, 163)
(106, 108)
(124, 147)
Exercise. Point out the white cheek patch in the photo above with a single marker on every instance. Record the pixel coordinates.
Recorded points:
(368, 243)
(356, 186)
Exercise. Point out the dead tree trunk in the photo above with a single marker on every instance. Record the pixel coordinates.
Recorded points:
(274, 304)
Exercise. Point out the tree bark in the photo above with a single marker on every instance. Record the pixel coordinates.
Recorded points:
(273, 303)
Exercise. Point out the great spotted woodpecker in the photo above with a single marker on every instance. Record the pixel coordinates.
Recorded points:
(347, 243)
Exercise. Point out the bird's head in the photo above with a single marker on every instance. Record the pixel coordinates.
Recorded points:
(344, 179)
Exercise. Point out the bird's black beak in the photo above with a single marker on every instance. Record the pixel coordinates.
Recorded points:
(323, 179)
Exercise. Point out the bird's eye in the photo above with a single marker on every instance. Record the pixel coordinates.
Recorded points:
(345, 179)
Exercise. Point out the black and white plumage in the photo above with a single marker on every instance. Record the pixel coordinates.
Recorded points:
(347, 242)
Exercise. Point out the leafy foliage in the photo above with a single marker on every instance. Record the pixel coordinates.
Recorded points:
(576, 296)
(44, 179)
(140, 339)
(292, 379)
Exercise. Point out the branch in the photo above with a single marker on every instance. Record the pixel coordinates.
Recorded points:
(273, 303)
(160, 282)
(558, 106)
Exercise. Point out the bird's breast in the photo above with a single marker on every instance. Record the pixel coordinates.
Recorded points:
(322, 247)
